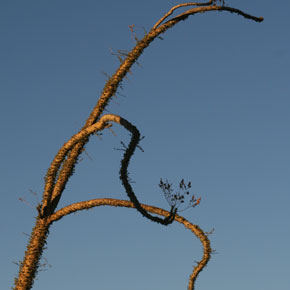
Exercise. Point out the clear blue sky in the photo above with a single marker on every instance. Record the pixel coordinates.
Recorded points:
(212, 100)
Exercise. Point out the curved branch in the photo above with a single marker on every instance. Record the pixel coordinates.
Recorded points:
(193, 11)
(64, 163)
(179, 6)
(196, 230)
(124, 176)
(50, 189)
(114, 82)
(55, 194)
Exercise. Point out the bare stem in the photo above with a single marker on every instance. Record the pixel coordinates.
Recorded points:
(113, 83)
(63, 165)
(196, 230)
(54, 196)
(179, 6)
(33, 253)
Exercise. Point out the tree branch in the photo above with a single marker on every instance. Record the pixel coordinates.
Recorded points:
(113, 83)
(179, 6)
(196, 230)
(63, 165)
(53, 193)
(124, 176)
(193, 11)
(51, 190)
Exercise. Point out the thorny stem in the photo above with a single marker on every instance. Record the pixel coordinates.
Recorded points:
(56, 187)
(196, 230)
(29, 266)
(63, 165)
(135, 138)
(179, 6)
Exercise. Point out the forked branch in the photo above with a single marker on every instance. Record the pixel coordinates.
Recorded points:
(180, 6)
(63, 165)
(52, 191)
(113, 83)
(208, 6)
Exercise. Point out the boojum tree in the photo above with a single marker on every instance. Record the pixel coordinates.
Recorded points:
(63, 165)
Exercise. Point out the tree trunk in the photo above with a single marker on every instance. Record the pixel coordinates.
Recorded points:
(30, 263)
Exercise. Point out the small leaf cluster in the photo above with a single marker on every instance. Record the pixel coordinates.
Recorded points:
(175, 199)
(222, 2)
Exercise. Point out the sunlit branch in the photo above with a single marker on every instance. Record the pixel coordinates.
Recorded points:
(196, 230)
(52, 201)
(113, 83)
(63, 165)
(179, 6)
(193, 11)
(50, 190)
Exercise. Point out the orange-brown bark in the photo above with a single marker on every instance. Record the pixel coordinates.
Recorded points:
(63, 165)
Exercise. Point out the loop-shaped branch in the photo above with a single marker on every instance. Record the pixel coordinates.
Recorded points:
(55, 192)
(70, 159)
(63, 165)
(196, 230)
